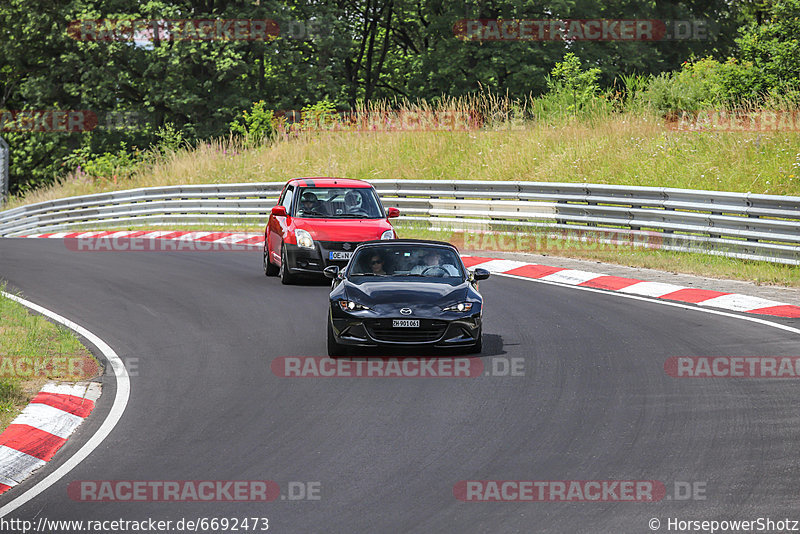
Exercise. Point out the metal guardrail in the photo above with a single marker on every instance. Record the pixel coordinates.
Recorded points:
(743, 225)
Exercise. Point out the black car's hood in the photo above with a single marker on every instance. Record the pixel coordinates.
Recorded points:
(402, 291)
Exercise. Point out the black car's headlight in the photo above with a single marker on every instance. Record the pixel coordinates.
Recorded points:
(349, 305)
(460, 307)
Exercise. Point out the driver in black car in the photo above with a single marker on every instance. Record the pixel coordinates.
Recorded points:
(433, 265)
(377, 264)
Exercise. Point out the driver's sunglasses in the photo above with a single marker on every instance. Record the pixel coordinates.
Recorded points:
(373, 262)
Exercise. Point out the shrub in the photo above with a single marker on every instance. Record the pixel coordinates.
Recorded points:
(319, 116)
(572, 91)
(118, 164)
(704, 84)
(571, 84)
(257, 125)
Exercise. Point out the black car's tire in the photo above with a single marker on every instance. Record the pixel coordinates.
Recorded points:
(335, 350)
(283, 271)
(477, 348)
(270, 269)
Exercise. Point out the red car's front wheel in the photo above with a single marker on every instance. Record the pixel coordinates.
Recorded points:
(269, 268)
(286, 277)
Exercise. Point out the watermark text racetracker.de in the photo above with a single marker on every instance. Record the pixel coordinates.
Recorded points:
(72, 121)
(556, 240)
(67, 367)
(294, 121)
(192, 491)
(758, 120)
(224, 30)
(580, 30)
(47, 120)
(405, 367)
(168, 242)
(110, 30)
(577, 491)
(733, 366)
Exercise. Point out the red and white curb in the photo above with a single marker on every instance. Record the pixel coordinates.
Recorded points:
(701, 297)
(121, 384)
(42, 428)
(572, 277)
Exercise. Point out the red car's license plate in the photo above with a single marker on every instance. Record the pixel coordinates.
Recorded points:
(339, 255)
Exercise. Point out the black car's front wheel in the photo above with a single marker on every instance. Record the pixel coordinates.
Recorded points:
(335, 350)
(477, 348)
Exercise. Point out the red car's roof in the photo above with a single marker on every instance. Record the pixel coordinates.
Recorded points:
(328, 182)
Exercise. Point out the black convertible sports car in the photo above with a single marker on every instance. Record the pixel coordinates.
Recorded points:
(404, 292)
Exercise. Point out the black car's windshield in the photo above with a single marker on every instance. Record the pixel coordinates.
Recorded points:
(406, 260)
(338, 203)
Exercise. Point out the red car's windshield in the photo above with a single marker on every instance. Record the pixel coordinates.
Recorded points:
(338, 203)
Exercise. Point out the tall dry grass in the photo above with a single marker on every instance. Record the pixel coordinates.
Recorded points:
(512, 143)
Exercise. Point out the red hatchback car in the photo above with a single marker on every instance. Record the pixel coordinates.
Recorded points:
(319, 222)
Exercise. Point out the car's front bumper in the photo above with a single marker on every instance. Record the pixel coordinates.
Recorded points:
(361, 330)
(301, 260)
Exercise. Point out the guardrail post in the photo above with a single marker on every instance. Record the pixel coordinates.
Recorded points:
(5, 154)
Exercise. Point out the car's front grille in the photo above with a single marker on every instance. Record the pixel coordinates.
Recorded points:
(427, 332)
(339, 245)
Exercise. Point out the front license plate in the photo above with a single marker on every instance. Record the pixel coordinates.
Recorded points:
(339, 255)
(405, 323)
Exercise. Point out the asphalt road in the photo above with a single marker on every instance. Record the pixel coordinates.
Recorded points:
(199, 331)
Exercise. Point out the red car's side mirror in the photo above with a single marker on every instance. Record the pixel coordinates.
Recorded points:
(391, 213)
(279, 211)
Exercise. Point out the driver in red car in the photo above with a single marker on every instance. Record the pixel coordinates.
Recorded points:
(432, 264)
(310, 204)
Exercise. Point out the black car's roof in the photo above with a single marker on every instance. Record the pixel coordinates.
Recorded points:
(406, 242)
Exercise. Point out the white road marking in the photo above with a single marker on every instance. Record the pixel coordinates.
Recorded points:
(113, 417)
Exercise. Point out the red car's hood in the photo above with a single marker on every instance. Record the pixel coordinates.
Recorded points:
(343, 229)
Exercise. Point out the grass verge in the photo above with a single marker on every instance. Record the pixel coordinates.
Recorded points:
(32, 351)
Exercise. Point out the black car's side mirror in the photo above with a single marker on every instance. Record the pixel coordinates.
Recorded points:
(332, 271)
(480, 274)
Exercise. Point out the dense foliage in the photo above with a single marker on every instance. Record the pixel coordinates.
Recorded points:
(337, 55)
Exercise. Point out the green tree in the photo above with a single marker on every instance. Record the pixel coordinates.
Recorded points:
(774, 45)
